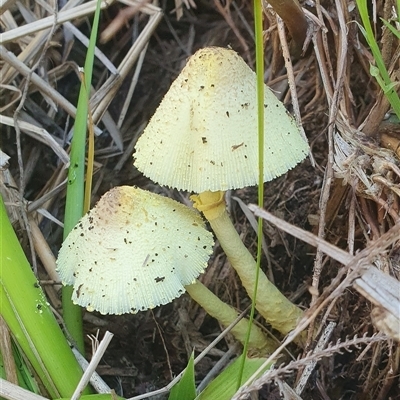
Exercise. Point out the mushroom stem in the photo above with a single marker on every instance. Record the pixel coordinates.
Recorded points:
(226, 314)
(278, 311)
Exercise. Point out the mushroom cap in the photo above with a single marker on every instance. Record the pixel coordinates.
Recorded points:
(133, 251)
(204, 137)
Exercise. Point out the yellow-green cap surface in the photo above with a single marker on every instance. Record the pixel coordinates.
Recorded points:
(133, 251)
(203, 136)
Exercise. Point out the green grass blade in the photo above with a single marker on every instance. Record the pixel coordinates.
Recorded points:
(395, 31)
(90, 163)
(108, 396)
(258, 27)
(27, 313)
(383, 77)
(223, 387)
(185, 388)
(72, 314)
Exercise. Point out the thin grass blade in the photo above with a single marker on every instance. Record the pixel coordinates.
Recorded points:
(74, 207)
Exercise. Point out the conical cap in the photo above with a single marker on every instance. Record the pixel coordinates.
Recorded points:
(203, 136)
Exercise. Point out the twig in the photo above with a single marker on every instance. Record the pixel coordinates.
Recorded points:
(291, 78)
(95, 380)
(322, 342)
(225, 11)
(104, 96)
(132, 87)
(47, 22)
(10, 391)
(39, 134)
(43, 86)
(92, 365)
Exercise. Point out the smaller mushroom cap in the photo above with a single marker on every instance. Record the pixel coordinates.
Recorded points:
(203, 136)
(133, 251)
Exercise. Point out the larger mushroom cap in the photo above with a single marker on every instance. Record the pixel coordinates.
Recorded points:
(203, 136)
(133, 251)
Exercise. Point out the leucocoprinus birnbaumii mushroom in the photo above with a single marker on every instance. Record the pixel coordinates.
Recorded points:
(203, 138)
(136, 250)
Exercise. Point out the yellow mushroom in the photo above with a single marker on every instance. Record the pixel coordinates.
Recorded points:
(203, 139)
(136, 250)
